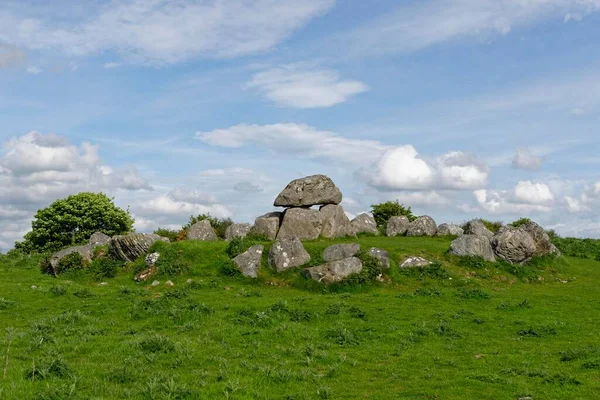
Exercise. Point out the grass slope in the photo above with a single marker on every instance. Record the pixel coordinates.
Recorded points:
(483, 331)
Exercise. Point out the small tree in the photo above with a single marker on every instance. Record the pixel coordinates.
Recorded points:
(71, 221)
(384, 211)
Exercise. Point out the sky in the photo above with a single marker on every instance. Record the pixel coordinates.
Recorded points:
(460, 109)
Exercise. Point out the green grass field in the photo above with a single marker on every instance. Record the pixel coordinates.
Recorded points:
(478, 332)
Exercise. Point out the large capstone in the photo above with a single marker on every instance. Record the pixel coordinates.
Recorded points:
(340, 251)
(249, 261)
(473, 245)
(309, 191)
(202, 230)
(514, 245)
(334, 271)
(422, 226)
(301, 223)
(237, 231)
(268, 225)
(476, 227)
(397, 226)
(130, 247)
(287, 253)
(334, 221)
(364, 223)
(450, 230)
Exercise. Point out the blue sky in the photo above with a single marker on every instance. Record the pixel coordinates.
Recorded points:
(458, 108)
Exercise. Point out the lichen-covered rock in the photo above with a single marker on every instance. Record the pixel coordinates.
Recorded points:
(268, 225)
(422, 226)
(334, 271)
(130, 247)
(476, 227)
(334, 221)
(99, 239)
(287, 253)
(202, 230)
(382, 257)
(249, 261)
(450, 230)
(237, 231)
(301, 223)
(341, 251)
(514, 245)
(397, 226)
(543, 243)
(309, 191)
(364, 223)
(152, 258)
(473, 245)
(86, 252)
(415, 262)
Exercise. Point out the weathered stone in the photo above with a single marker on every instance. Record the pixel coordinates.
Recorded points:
(287, 253)
(169, 284)
(335, 222)
(397, 226)
(364, 223)
(382, 257)
(415, 262)
(473, 245)
(543, 243)
(334, 271)
(202, 230)
(309, 191)
(341, 251)
(249, 261)
(99, 239)
(476, 227)
(303, 223)
(151, 259)
(237, 231)
(155, 283)
(130, 247)
(422, 226)
(145, 274)
(86, 252)
(514, 245)
(449, 230)
(268, 225)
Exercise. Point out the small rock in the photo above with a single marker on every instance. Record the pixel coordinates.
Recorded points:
(145, 274)
(415, 262)
(340, 251)
(103, 283)
(34, 287)
(169, 284)
(382, 256)
(152, 258)
(334, 271)
(189, 281)
(155, 283)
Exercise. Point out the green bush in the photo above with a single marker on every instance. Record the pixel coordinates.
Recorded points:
(519, 222)
(384, 211)
(580, 248)
(236, 247)
(71, 221)
(70, 262)
(170, 234)
(102, 268)
(493, 226)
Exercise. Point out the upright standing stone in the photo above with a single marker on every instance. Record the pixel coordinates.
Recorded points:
(249, 261)
(397, 226)
(237, 231)
(422, 226)
(364, 223)
(301, 223)
(268, 225)
(202, 230)
(287, 253)
(335, 222)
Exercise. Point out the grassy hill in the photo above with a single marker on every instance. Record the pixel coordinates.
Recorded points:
(463, 330)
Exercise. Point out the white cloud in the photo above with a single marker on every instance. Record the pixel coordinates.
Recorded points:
(524, 159)
(110, 65)
(181, 203)
(33, 70)
(305, 86)
(576, 205)
(500, 202)
(462, 171)
(163, 31)
(400, 168)
(533, 193)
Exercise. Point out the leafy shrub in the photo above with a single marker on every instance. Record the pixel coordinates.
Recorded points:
(102, 268)
(236, 247)
(168, 233)
(227, 267)
(370, 272)
(70, 262)
(474, 262)
(580, 248)
(472, 293)
(519, 222)
(493, 226)
(384, 211)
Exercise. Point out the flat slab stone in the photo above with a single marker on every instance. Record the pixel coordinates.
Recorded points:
(309, 191)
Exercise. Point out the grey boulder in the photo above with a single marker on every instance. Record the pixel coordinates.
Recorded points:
(202, 230)
(543, 243)
(309, 191)
(334, 222)
(130, 247)
(86, 252)
(397, 226)
(382, 257)
(98, 239)
(415, 262)
(341, 251)
(249, 261)
(287, 253)
(268, 225)
(473, 245)
(364, 223)
(237, 231)
(449, 229)
(334, 271)
(422, 226)
(476, 227)
(303, 223)
(514, 245)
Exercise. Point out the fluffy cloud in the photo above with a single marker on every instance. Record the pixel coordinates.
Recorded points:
(182, 203)
(533, 193)
(302, 86)
(523, 159)
(462, 171)
(162, 31)
(501, 202)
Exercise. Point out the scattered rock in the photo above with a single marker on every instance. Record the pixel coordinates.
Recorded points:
(422, 226)
(155, 283)
(249, 261)
(303, 223)
(202, 230)
(334, 221)
(364, 223)
(450, 229)
(382, 256)
(146, 274)
(189, 281)
(152, 258)
(268, 225)
(476, 227)
(341, 251)
(103, 283)
(415, 262)
(334, 271)
(86, 253)
(397, 226)
(237, 231)
(99, 239)
(130, 247)
(514, 245)
(309, 191)
(34, 287)
(169, 284)
(473, 245)
(287, 253)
